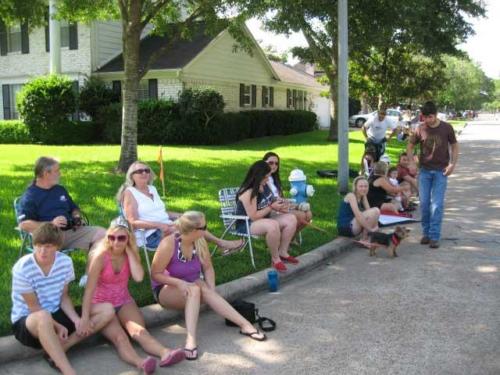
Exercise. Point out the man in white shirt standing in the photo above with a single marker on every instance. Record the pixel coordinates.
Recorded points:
(375, 130)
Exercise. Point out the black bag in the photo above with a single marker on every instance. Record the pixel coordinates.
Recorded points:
(250, 313)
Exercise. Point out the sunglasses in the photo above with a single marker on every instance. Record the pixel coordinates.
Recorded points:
(273, 163)
(119, 238)
(202, 228)
(142, 170)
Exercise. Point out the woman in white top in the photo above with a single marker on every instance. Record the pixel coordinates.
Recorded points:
(274, 183)
(144, 209)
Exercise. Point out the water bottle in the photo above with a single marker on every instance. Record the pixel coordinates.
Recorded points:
(273, 281)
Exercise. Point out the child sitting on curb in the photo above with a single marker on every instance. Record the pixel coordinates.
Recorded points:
(43, 315)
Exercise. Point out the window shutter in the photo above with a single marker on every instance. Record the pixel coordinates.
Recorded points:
(294, 99)
(6, 101)
(3, 39)
(254, 96)
(242, 95)
(25, 39)
(271, 97)
(75, 87)
(288, 97)
(117, 88)
(263, 96)
(153, 88)
(73, 36)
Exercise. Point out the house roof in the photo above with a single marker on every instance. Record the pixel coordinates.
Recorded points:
(181, 53)
(289, 74)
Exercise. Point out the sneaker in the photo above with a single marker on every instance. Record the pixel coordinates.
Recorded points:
(433, 244)
(425, 240)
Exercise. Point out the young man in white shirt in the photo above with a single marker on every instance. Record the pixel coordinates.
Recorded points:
(375, 130)
(43, 315)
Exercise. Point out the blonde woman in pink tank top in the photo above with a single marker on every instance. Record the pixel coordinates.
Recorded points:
(111, 265)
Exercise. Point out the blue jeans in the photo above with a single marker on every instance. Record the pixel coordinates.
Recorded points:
(432, 188)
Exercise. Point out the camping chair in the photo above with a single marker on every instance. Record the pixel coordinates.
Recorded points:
(26, 239)
(227, 199)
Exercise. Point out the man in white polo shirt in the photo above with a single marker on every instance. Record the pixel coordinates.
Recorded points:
(43, 315)
(375, 131)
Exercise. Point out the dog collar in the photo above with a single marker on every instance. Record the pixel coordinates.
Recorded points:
(395, 240)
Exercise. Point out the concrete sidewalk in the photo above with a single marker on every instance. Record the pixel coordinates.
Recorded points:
(426, 312)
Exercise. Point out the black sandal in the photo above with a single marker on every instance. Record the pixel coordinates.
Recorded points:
(253, 335)
(50, 361)
(193, 352)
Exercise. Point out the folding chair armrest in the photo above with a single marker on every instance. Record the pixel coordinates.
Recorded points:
(236, 217)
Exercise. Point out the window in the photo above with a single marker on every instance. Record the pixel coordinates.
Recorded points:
(9, 93)
(143, 90)
(300, 100)
(248, 95)
(289, 99)
(64, 33)
(14, 39)
(265, 96)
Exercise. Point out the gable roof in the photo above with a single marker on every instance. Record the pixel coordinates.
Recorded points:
(287, 73)
(178, 56)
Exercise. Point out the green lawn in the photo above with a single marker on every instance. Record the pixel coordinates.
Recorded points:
(193, 176)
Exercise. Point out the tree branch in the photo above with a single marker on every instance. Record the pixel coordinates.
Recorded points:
(153, 12)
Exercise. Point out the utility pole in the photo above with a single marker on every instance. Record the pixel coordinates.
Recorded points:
(343, 98)
(54, 40)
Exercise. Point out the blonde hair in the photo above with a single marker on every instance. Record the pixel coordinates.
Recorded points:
(188, 222)
(380, 168)
(129, 181)
(355, 183)
(120, 223)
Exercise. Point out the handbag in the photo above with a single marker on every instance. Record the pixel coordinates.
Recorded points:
(250, 313)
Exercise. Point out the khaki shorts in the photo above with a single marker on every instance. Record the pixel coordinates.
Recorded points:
(81, 238)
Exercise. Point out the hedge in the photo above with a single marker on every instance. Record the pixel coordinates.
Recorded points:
(14, 131)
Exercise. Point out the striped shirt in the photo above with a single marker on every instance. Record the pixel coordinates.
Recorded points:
(28, 277)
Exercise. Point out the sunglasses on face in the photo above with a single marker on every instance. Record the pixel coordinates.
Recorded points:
(202, 228)
(273, 162)
(119, 238)
(142, 170)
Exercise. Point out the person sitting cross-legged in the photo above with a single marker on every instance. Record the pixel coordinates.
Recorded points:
(43, 315)
(178, 265)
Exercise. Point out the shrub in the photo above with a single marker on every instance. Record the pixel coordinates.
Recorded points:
(14, 131)
(94, 95)
(200, 105)
(45, 105)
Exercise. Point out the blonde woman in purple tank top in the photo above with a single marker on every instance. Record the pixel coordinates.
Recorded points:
(111, 265)
(177, 266)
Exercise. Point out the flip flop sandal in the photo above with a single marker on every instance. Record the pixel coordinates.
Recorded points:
(236, 249)
(175, 356)
(149, 365)
(192, 352)
(254, 335)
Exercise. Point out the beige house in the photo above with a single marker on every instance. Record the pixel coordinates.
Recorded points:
(246, 81)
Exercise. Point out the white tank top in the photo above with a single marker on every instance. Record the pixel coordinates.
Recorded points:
(149, 210)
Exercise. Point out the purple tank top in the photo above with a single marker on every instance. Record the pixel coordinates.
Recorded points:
(181, 268)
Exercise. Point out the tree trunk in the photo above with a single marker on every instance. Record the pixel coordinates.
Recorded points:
(131, 43)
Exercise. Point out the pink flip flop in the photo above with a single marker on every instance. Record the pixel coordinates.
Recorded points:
(175, 356)
(149, 365)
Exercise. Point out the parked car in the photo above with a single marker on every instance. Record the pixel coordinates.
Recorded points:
(359, 120)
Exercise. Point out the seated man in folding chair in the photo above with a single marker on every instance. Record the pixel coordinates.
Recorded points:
(47, 201)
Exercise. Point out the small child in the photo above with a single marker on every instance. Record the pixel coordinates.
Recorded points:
(397, 200)
(43, 315)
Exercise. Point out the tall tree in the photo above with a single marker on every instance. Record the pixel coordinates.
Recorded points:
(432, 26)
(173, 18)
(467, 88)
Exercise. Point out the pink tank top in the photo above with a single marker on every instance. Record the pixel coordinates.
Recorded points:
(113, 287)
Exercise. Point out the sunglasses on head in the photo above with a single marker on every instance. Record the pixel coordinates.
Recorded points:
(119, 238)
(202, 228)
(142, 170)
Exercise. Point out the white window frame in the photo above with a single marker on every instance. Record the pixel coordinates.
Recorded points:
(14, 37)
(247, 95)
(13, 90)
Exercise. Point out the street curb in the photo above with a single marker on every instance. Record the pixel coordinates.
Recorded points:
(155, 315)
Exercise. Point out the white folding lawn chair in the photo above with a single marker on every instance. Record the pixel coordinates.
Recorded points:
(227, 199)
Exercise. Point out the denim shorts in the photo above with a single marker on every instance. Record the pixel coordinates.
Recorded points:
(345, 231)
(153, 240)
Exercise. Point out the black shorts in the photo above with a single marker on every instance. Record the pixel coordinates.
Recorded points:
(24, 336)
(345, 231)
